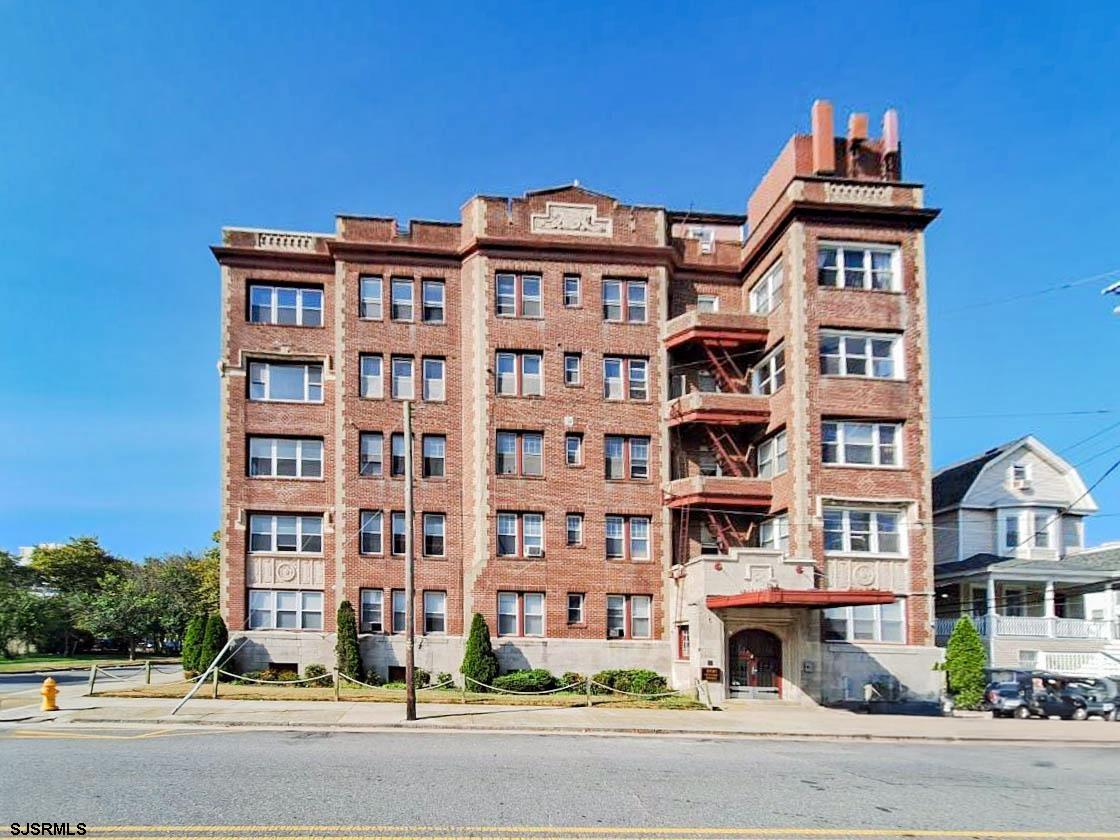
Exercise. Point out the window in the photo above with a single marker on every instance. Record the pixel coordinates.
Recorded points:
(772, 456)
(708, 464)
(627, 537)
(399, 532)
(297, 534)
(766, 295)
(435, 612)
(284, 382)
(1042, 529)
(396, 455)
(402, 378)
(860, 444)
(370, 446)
(517, 295)
(372, 383)
(435, 456)
(1011, 531)
(1020, 473)
(707, 303)
(369, 533)
(432, 301)
(372, 614)
(434, 527)
(286, 306)
(572, 291)
(520, 613)
(625, 378)
(774, 534)
(369, 298)
(625, 300)
(684, 642)
(400, 308)
(862, 531)
(574, 526)
(520, 453)
(400, 617)
(708, 542)
(434, 386)
(280, 609)
(519, 373)
(706, 382)
(625, 457)
(575, 607)
(872, 623)
(521, 534)
(872, 356)
(573, 369)
(770, 374)
(285, 457)
(858, 267)
(629, 616)
(573, 450)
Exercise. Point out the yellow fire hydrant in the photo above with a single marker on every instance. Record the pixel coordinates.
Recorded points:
(49, 692)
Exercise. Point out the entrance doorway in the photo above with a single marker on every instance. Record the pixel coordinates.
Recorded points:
(755, 664)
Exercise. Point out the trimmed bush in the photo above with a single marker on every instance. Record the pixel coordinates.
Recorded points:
(480, 663)
(537, 679)
(569, 679)
(213, 640)
(965, 658)
(421, 677)
(348, 655)
(192, 642)
(633, 680)
(316, 670)
(445, 679)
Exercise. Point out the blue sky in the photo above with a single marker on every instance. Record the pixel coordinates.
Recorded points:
(132, 132)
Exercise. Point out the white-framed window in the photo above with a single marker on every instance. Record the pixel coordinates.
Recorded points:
(519, 453)
(403, 387)
(517, 295)
(371, 384)
(573, 369)
(574, 528)
(285, 457)
(1012, 539)
(1042, 522)
(625, 378)
(434, 449)
(371, 446)
(861, 354)
(519, 374)
(433, 301)
(372, 618)
(508, 618)
(625, 301)
(707, 304)
(285, 382)
(773, 455)
(284, 609)
(435, 611)
(766, 294)
(400, 616)
(773, 533)
(520, 534)
(575, 607)
(292, 533)
(400, 304)
(573, 450)
(435, 527)
(396, 455)
(285, 306)
(861, 444)
(625, 457)
(629, 616)
(863, 531)
(435, 387)
(371, 525)
(370, 297)
(869, 623)
(399, 532)
(770, 373)
(856, 266)
(573, 292)
(520, 613)
(627, 537)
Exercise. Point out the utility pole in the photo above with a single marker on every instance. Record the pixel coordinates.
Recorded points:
(409, 591)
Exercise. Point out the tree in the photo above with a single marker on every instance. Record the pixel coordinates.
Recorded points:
(965, 658)
(120, 608)
(192, 642)
(348, 654)
(213, 640)
(73, 572)
(207, 571)
(480, 663)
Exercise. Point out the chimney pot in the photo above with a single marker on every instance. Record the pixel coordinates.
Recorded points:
(890, 131)
(857, 127)
(824, 147)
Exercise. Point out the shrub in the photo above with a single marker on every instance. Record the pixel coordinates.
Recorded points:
(537, 679)
(192, 642)
(421, 677)
(316, 670)
(213, 640)
(348, 655)
(633, 680)
(965, 659)
(445, 679)
(573, 680)
(480, 663)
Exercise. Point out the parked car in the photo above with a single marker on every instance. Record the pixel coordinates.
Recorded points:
(1006, 699)
(1101, 697)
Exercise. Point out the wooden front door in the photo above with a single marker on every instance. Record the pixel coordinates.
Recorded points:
(755, 664)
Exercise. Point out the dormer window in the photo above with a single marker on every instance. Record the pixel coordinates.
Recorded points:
(1021, 476)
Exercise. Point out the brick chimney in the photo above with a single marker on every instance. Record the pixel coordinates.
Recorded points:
(824, 148)
(857, 127)
(890, 131)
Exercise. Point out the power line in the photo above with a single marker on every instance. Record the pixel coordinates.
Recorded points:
(1093, 436)
(1077, 413)
(1027, 295)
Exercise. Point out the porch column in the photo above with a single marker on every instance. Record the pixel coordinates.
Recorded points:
(989, 631)
(991, 595)
(1048, 604)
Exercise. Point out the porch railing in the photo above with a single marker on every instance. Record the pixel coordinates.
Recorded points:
(1029, 626)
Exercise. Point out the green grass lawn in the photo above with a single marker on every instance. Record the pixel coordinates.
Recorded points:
(37, 661)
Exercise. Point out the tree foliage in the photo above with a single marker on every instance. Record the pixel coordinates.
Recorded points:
(213, 640)
(348, 654)
(480, 663)
(965, 659)
(75, 568)
(121, 608)
(192, 642)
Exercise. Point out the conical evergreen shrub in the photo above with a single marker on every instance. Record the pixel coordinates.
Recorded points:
(965, 658)
(480, 663)
(348, 654)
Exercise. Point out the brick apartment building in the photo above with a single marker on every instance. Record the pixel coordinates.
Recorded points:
(693, 442)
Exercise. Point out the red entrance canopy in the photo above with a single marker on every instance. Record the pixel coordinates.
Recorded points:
(818, 598)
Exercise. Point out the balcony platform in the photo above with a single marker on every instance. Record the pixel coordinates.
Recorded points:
(1032, 627)
(720, 491)
(719, 409)
(719, 329)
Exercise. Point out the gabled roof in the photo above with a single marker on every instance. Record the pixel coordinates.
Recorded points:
(575, 186)
(1104, 562)
(951, 483)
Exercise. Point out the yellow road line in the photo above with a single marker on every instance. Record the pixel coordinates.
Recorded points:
(360, 832)
(85, 736)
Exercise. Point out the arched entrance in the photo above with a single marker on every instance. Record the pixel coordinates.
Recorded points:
(755, 664)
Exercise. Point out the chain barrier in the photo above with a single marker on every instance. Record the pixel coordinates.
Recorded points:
(244, 678)
(523, 693)
(444, 684)
(633, 694)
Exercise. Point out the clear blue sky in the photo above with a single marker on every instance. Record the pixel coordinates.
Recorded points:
(132, 132)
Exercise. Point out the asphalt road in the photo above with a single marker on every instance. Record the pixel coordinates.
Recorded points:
(253, 778)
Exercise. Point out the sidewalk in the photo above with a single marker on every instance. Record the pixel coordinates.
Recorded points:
(746, 720)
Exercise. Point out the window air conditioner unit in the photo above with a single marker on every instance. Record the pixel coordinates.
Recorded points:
(534, 551)
(616, 633)
(1021, 484)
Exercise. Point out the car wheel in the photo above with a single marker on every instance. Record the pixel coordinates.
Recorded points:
(1079, 714)
(996, 714)
(1114, 715)
(1022, 713)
